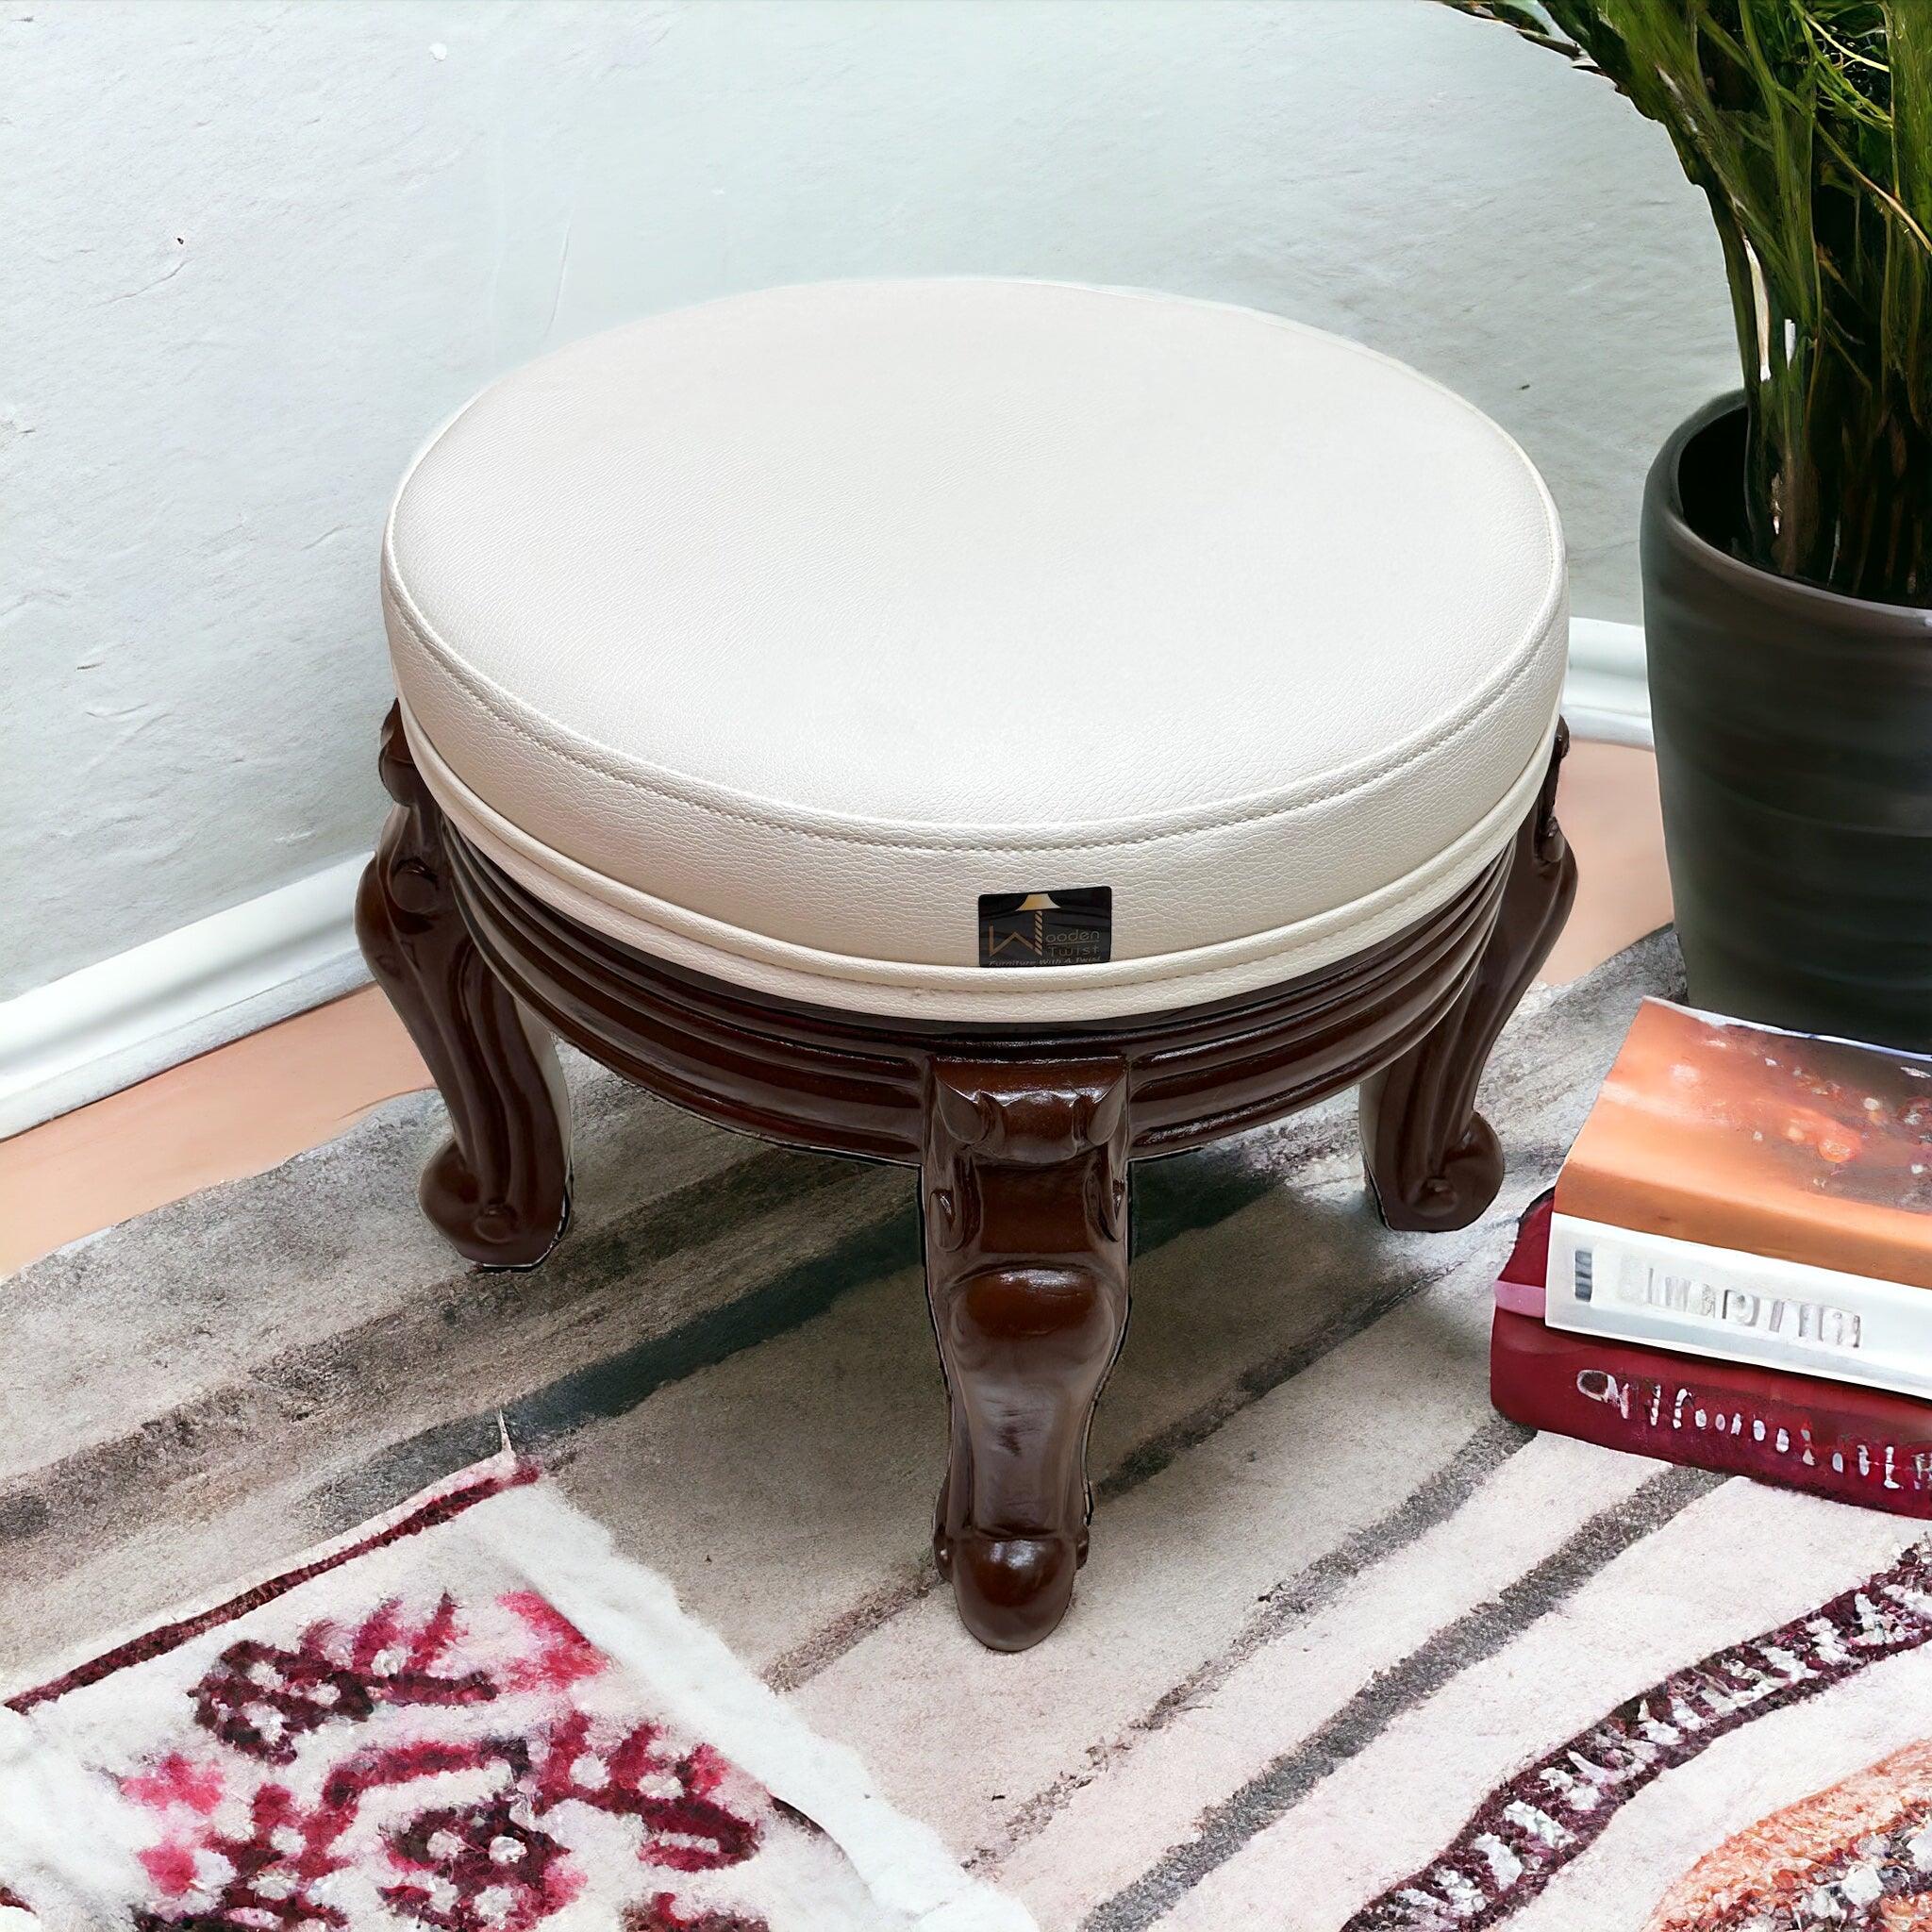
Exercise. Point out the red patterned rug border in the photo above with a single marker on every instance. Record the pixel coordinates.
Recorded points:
(166, 1637)
(1525, 1831)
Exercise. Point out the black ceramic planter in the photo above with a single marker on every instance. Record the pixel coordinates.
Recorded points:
(1795, 748)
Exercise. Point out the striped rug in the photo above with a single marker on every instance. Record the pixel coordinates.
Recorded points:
(1350, 1651)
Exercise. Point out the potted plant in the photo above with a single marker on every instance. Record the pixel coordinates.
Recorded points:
(1786, 530)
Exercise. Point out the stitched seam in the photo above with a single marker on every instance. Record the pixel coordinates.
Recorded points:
(1293, 938)
(785, 956)
(1363, 778)
(1289, 940)
(468, 681)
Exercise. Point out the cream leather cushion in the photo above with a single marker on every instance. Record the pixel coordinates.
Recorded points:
(769, 635)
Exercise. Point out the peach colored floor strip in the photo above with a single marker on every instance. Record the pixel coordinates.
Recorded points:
(239, 1110)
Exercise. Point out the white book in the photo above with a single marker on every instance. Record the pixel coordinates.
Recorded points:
(1740, 1307)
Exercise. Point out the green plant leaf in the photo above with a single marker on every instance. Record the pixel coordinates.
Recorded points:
(1807, 123)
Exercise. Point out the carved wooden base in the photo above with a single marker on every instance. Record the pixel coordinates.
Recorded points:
(1022, 1135)
(1433, 1161)
(1025, 1197)
(499, 1188)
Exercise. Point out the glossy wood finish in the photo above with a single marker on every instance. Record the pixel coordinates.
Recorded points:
(1023, 1134)
(854, 1083)
(499, 1188)
(1433, 1161)
(1024, 1191)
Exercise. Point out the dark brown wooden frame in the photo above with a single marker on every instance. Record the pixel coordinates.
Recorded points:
(1023, 1135)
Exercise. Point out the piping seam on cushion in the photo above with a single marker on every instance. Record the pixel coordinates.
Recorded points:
(728, 939)
(487, 696)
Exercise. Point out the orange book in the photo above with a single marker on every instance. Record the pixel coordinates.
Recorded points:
(1755, 1195)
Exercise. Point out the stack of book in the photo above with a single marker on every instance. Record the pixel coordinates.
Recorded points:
(1734, 1267)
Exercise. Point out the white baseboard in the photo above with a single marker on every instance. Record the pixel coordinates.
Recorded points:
(1606, 695)
(110, 1024)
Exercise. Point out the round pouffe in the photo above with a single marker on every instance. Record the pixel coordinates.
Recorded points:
(949, 693)
(771, 635)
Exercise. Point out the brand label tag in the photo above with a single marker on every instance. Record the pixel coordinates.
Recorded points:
(1074, 928)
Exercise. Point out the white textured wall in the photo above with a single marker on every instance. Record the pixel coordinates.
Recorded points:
(253, 253)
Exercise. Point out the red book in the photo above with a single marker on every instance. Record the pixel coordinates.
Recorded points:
(1833, 1439)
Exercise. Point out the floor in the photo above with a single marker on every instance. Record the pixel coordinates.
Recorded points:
(254, 1104)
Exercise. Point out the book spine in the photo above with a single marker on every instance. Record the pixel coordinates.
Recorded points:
(1735, 1307)
(1855, 1447)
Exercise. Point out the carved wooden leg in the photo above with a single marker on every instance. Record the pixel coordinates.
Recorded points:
(1434, 1161)
(500, 1186)
(1026, 1201)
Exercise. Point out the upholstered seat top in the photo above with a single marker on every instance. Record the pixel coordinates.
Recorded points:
(771, 635)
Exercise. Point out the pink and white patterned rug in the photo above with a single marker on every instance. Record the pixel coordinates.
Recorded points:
(472, 1716)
